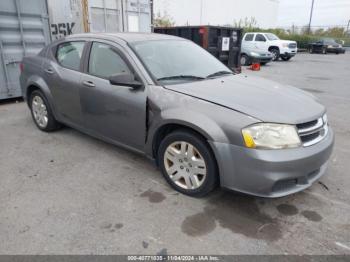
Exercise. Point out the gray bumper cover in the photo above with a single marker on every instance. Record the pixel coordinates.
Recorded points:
(272, 173)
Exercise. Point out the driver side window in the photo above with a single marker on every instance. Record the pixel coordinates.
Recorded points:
(260, 38)
(104, 61)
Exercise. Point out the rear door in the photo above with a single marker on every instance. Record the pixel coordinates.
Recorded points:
(114, 112)
(247, 43)
(261, 43)
(62, 72)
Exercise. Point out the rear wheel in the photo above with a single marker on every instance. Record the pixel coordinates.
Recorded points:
(244, 60)
(187, 163)
(41, 112)
(275, 54)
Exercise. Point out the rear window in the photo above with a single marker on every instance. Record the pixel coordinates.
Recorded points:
(69, 54)
(249, 37)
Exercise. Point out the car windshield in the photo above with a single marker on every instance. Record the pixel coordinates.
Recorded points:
(178, 61)
(329, 41)
(272, 37)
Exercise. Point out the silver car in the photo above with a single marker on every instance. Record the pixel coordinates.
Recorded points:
(169, 99)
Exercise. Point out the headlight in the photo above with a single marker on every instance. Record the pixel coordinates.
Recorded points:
(325, 119)
(254, 54)
(285, 45)
(271, 136)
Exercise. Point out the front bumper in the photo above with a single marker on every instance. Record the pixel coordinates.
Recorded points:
(287, 52)
(261, 59)
(339, 50)
(272, 173)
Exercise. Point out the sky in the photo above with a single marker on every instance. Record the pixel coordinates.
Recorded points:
(326, 12)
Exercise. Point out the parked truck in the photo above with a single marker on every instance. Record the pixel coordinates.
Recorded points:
(268, 42)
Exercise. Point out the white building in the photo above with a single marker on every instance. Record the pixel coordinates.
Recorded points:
(219, 12)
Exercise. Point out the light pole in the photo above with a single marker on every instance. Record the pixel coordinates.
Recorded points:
(311, 11)
(201, 14)
(347, 28)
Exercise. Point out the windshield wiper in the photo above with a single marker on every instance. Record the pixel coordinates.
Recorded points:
(181, 77)
(219, 73)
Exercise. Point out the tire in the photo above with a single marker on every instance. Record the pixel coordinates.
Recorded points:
(276, 53)
(245, 60)
(286, 58)
(180, 169)
(42, 113)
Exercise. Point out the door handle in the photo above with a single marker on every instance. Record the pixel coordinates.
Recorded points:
(49, 71)
(88, 83)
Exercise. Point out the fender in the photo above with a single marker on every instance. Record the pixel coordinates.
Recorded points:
(190, 119)
(40, 83)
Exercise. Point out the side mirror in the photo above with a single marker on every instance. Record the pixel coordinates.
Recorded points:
(125, 79)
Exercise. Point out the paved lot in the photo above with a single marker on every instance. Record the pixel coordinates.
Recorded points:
(67, 193)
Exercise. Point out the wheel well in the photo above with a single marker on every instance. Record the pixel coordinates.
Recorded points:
(167, 129)
(30, 90)
(273, 47)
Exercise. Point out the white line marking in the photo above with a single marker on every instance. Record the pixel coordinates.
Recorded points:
(342, 245)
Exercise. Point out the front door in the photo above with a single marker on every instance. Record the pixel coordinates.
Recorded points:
(112, 111)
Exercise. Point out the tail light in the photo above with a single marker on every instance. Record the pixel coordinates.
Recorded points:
(21, 67)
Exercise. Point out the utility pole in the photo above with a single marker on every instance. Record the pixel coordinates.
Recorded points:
(201, 14)
(347, 28)
(312, 10)
(152, 15)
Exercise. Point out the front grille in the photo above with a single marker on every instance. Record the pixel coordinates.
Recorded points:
(292, 45)
(313, 132)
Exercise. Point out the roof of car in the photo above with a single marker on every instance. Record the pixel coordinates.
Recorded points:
(127, 37)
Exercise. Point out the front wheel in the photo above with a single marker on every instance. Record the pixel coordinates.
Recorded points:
(187, 163)
(275, 54)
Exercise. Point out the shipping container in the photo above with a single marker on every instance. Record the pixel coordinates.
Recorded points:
(26, 26)
(79, 16)
(24, 31)
(222, 42)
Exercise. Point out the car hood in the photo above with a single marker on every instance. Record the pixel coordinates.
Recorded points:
(287, 41)
(260, 98)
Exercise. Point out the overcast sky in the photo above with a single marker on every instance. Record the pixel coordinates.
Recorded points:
(326, 12)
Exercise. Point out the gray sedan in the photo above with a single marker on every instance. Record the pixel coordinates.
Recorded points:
(169, 99)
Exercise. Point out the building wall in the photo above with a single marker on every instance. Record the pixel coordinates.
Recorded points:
(219, 12)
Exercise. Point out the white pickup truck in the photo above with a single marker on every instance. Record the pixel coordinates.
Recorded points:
(269, 42)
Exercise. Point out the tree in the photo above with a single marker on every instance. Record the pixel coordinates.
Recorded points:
(163, 20)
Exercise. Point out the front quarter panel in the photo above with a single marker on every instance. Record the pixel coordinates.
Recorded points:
(214, 122)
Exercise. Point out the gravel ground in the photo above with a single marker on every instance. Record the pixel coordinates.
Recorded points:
(67, 193)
